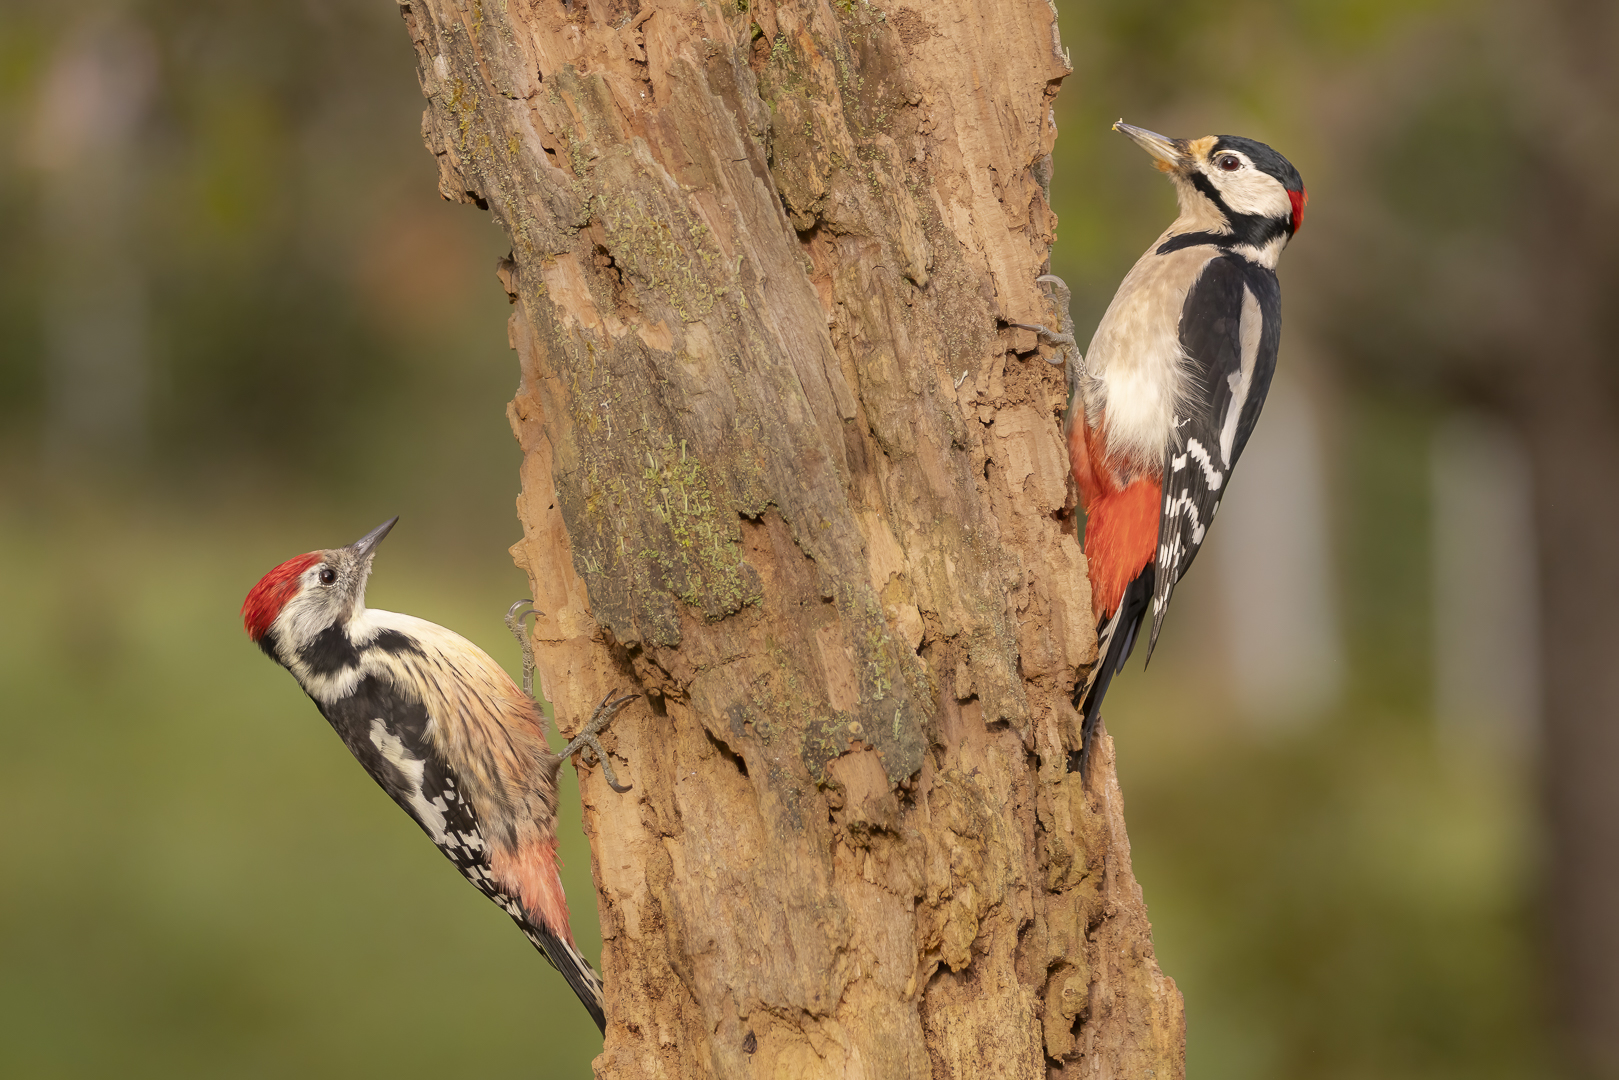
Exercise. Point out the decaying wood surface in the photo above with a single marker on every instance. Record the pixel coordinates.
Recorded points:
(788, 472)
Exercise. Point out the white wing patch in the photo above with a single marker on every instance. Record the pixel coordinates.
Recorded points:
(429, 812)
(1250, 326)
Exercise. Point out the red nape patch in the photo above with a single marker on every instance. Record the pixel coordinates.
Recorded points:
(268, 597)
(1301, 199)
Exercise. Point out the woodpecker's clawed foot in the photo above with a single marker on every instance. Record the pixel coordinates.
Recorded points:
(1059, 291)
(516, 624)
(1062, 340)
(1048, 338)
(586, 739)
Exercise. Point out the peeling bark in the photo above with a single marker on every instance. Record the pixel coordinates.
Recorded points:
(788, 472)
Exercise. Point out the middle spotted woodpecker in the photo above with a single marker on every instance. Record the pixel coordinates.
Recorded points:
(442, 728)
(1162, 403)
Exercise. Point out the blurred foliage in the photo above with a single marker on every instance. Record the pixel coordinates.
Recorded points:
(199, 882)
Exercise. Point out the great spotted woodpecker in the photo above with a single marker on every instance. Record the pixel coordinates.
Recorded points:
(1162, 403)
(442, 728)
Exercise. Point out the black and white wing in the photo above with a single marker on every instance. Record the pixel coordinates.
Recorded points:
(387, 733)
(1231, 325)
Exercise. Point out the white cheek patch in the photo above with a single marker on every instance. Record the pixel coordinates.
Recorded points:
(307, 614)
(1249, 191)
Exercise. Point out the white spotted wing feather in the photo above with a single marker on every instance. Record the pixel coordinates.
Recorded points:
(1230, 328)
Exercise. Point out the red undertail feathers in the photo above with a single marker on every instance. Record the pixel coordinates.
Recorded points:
(1121, 536)
(1121, 522)
(531, 875)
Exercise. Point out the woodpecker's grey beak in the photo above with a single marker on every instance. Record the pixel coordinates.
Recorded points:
(1170, 152)
(367, 543)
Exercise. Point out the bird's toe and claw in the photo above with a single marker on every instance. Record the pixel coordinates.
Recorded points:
(1058, 339)
(516, 617)
(516, 622)
(1048, 337)
(587, 738)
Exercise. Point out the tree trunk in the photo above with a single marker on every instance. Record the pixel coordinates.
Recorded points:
(786, 473)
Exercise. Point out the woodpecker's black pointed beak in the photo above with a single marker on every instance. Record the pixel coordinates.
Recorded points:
(368, 543)
(1170, 152)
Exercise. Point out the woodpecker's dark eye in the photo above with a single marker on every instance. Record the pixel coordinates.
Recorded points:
(1228, 163)
(327, 575)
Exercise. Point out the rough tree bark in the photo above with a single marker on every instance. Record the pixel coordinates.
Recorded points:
(785, 471)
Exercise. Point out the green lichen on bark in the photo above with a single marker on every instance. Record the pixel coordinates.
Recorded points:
(702, 563)
(663, 247)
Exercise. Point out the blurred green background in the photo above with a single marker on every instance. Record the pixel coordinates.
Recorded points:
(222, 216)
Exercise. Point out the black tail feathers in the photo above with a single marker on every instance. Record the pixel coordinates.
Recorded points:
(1118, 640)
(586, 984)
